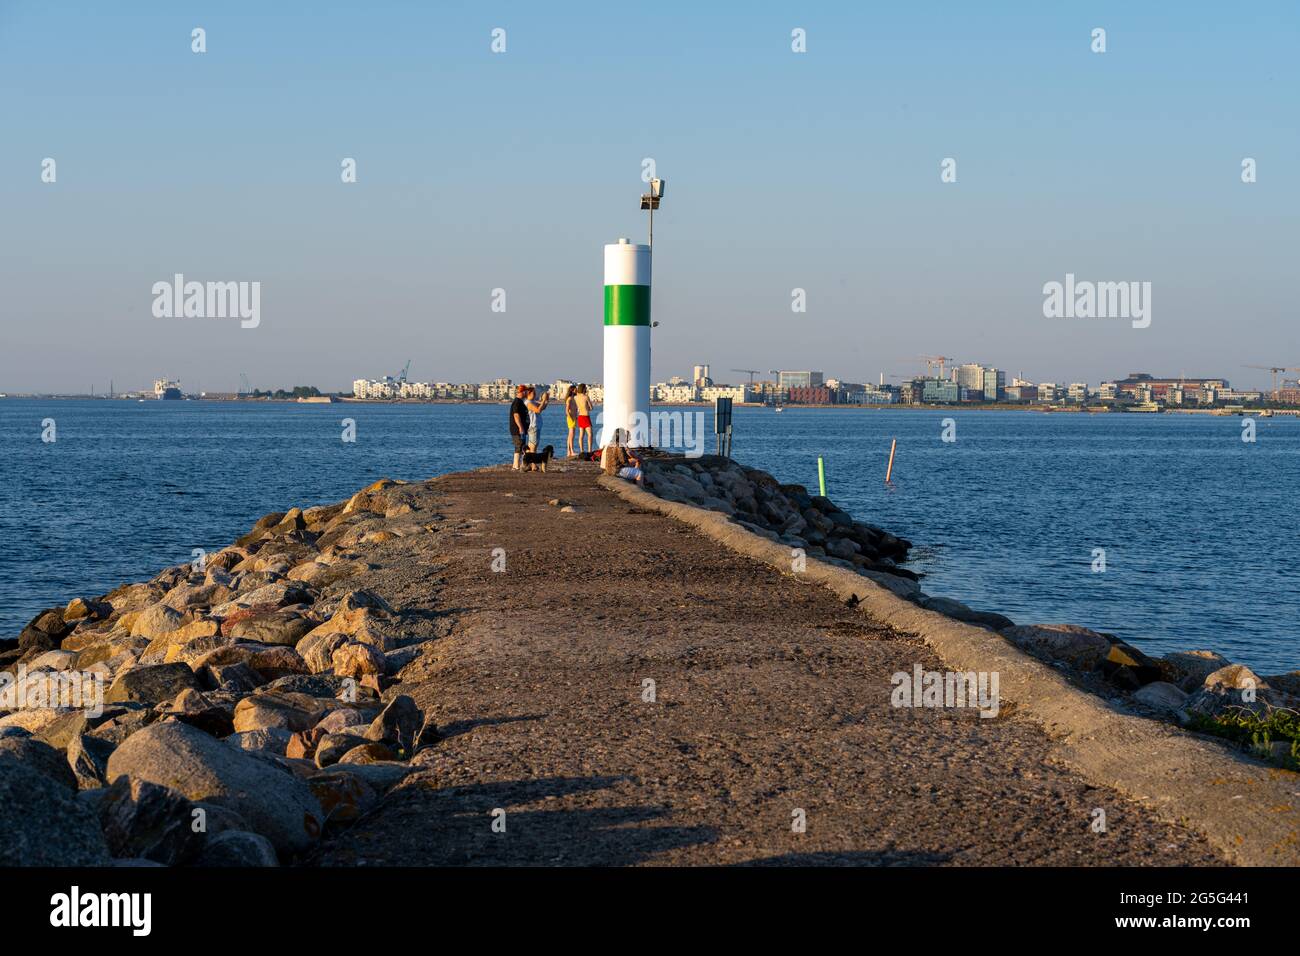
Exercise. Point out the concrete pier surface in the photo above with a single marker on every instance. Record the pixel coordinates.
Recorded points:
(770, 706)
(562, 668)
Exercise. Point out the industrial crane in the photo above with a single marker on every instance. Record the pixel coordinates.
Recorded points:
(1274, 369)
(932, 360)
(751, 372)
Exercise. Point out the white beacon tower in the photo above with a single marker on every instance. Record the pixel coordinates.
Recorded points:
(627, 342)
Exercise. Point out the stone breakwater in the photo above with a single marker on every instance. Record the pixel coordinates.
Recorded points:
(243, 711)
(1200, 689)
(266, 696)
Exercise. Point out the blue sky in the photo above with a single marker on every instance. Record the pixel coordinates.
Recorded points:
(479, 171)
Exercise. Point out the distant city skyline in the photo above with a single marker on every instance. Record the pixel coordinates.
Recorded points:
(493, 179)
(778, 377)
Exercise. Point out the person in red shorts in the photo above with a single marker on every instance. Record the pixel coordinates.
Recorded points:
(582, 405)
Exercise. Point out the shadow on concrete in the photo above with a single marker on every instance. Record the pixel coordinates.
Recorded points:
(458, 727)
(424, 825)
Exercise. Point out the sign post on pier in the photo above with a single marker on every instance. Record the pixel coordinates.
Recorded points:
(722, 425)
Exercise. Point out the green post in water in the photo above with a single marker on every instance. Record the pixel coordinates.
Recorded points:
(821, 476)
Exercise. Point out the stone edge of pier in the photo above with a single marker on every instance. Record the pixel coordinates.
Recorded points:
(1245, 808)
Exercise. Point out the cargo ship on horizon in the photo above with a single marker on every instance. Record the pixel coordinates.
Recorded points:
(167, 390)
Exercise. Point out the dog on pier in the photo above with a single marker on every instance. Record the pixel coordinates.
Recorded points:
(536, 460)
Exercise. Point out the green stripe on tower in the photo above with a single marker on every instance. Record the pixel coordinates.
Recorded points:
(627, 305)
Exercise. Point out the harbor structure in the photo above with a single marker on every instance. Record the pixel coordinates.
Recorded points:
(627, 342)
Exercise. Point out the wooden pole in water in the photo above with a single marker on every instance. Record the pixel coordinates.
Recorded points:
(821, 476)
(890, 470)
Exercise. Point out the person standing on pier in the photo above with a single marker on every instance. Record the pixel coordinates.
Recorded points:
(535, 409)
(571, 415)
(582, 405)
(519, 423)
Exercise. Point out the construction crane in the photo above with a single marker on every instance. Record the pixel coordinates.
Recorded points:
(1274, 369)
(932, 360)
(751, 372)
(402, 376)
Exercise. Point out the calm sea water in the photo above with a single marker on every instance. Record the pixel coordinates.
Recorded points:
(1199, 528)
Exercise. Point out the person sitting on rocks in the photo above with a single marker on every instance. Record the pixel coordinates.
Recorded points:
(616, 459)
